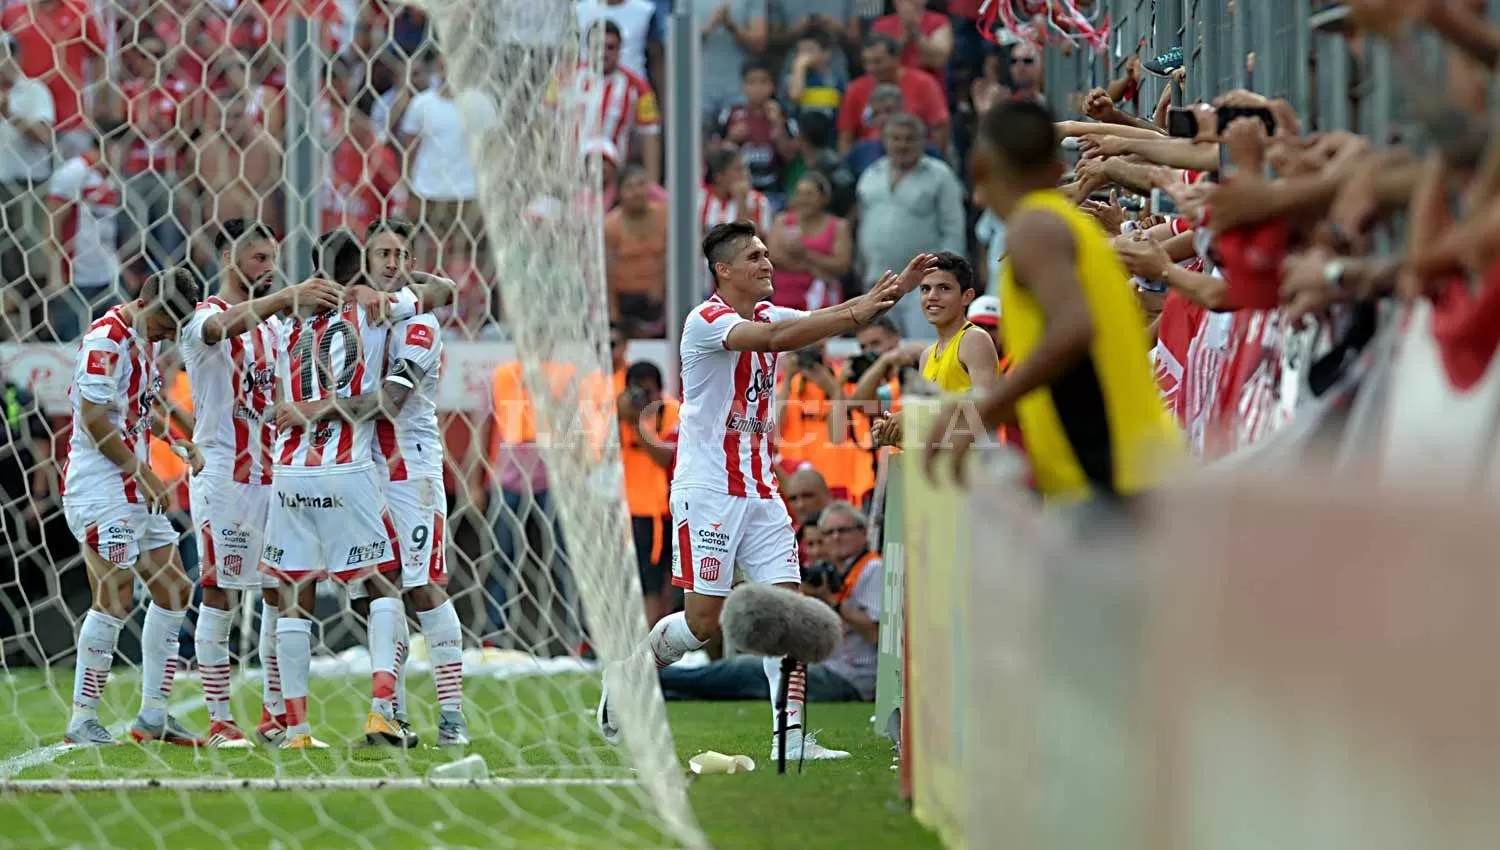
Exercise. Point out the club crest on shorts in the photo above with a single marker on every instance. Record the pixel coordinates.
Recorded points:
(708, 568)
(116, 553)
(233, 564)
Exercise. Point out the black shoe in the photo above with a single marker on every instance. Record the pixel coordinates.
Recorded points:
(1166, 64)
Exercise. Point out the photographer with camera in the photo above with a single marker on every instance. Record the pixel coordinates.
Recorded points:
(850, 582)
(810, 433)
(648, 448)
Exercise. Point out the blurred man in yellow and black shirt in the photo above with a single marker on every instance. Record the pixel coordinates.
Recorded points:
(1080, 382)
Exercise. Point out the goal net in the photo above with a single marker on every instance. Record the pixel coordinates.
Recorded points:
(459, 117)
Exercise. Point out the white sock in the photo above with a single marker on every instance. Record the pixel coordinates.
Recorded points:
(670, 639)
(796, 693)
(294, 652)
(384, 614)
(159, 641)
(96, 654)
(212, 640)
(445, 645)
(270, 669)
(403, 650)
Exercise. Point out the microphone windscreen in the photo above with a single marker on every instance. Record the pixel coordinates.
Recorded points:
(763, 619)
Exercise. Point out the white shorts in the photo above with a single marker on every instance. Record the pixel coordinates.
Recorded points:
(717, 533)
(230, 521)
(119, 531)
(328, 522)
(419, 510)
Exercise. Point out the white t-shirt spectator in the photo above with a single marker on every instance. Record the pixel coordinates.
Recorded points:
(21, 157)
(723, 58)
(633, 17)
(91, 258)
(442, 169)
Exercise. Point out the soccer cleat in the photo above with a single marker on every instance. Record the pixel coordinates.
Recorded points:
(169, 731)
(804, 747)
(380, 729)
(272, 728)
(302, 741)
(88, 733)
(607, 727)
(1166, 64)
(411, 737)
(453, 729)
(224, 735)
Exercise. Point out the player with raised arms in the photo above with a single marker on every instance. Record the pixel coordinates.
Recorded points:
(114, 505)
(328, 515)
(409, 449)
(724, 502)
(229, 351)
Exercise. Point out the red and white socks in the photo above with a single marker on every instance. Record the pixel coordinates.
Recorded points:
(670, 639)
(294, 652)
(444, 636)
(159, 643)
(385, 615)
(96, 654)
(796, 692)
(211, 637)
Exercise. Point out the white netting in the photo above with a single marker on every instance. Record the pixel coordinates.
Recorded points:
(188, 131)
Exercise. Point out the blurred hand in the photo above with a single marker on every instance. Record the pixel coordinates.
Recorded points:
(1133, 69)
(1100, 146)
(158, 496)
(911, 276)
(881, 297)
(1109, 216)
(316, 295)
(986, 93)
(1144, 257)
(377, 304)
(1192, 200)
(887, 430)
(1097, 105)
(194, 455)
(1304, 284)
(1179, 76)
(1355, 208)
(626, 409)
(1245, 141)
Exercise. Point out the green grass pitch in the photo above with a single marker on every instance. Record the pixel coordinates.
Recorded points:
(526, 728)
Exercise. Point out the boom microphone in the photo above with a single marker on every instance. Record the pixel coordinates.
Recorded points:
(763, 619)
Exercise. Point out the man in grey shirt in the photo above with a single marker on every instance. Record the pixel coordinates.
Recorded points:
(908, 203)
(731, 30)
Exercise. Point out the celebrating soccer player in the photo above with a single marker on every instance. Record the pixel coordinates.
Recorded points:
(329, 514)
(724, 501)
(229, 351)
(409, 448)
(114, 503)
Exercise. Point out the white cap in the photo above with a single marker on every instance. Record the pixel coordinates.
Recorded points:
(985, 310)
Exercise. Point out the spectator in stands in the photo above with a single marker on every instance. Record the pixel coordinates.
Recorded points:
(729, 196)
(885, 103)
(1026, 72)
(633, 18)
(851, 582)
(238, 174)
(443, 183)
(648, 448)
(812, 431)
(813, 251)
(61, 44)
(925, 36)
(362, 183)
(26, 491)
(412, 78)
(626, 105)
(732, 31)
(158, 109)
(759, 129)
(920, 95)
(26, 120)
(814, 85)
(635, 256)
(83, 205)
(909, 203)
(795, 18)
(807, 493)
(810, 542)
(816, 153)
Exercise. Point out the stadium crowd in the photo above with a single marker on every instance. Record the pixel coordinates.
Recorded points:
(845, 131)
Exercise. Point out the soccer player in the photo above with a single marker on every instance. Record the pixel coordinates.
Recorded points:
(114, 502)
(328, 515)
(409, 448)
(229, 350)
(1080, 382)
(724, 502)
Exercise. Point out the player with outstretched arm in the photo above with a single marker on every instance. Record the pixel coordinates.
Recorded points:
(114, 505)
(725, 506)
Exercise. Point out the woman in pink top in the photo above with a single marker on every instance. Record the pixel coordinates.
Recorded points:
(812, 250)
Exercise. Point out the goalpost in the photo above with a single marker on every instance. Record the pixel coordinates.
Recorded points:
(533, 574)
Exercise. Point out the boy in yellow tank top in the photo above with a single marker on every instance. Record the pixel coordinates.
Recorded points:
(1080, 384)
(963, 358)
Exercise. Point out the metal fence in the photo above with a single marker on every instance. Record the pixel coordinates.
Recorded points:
(1262, 45)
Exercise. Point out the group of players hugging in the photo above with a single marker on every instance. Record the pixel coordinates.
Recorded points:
(315, 452)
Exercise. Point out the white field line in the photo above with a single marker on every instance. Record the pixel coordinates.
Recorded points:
(68, 786)
(52, 752)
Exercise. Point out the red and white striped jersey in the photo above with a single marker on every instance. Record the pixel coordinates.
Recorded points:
(714, 210)
(411, 446)
(727, 423)
(626, 105)
(116, 367)
(337, 354)
(234, 391)
(89, 229)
